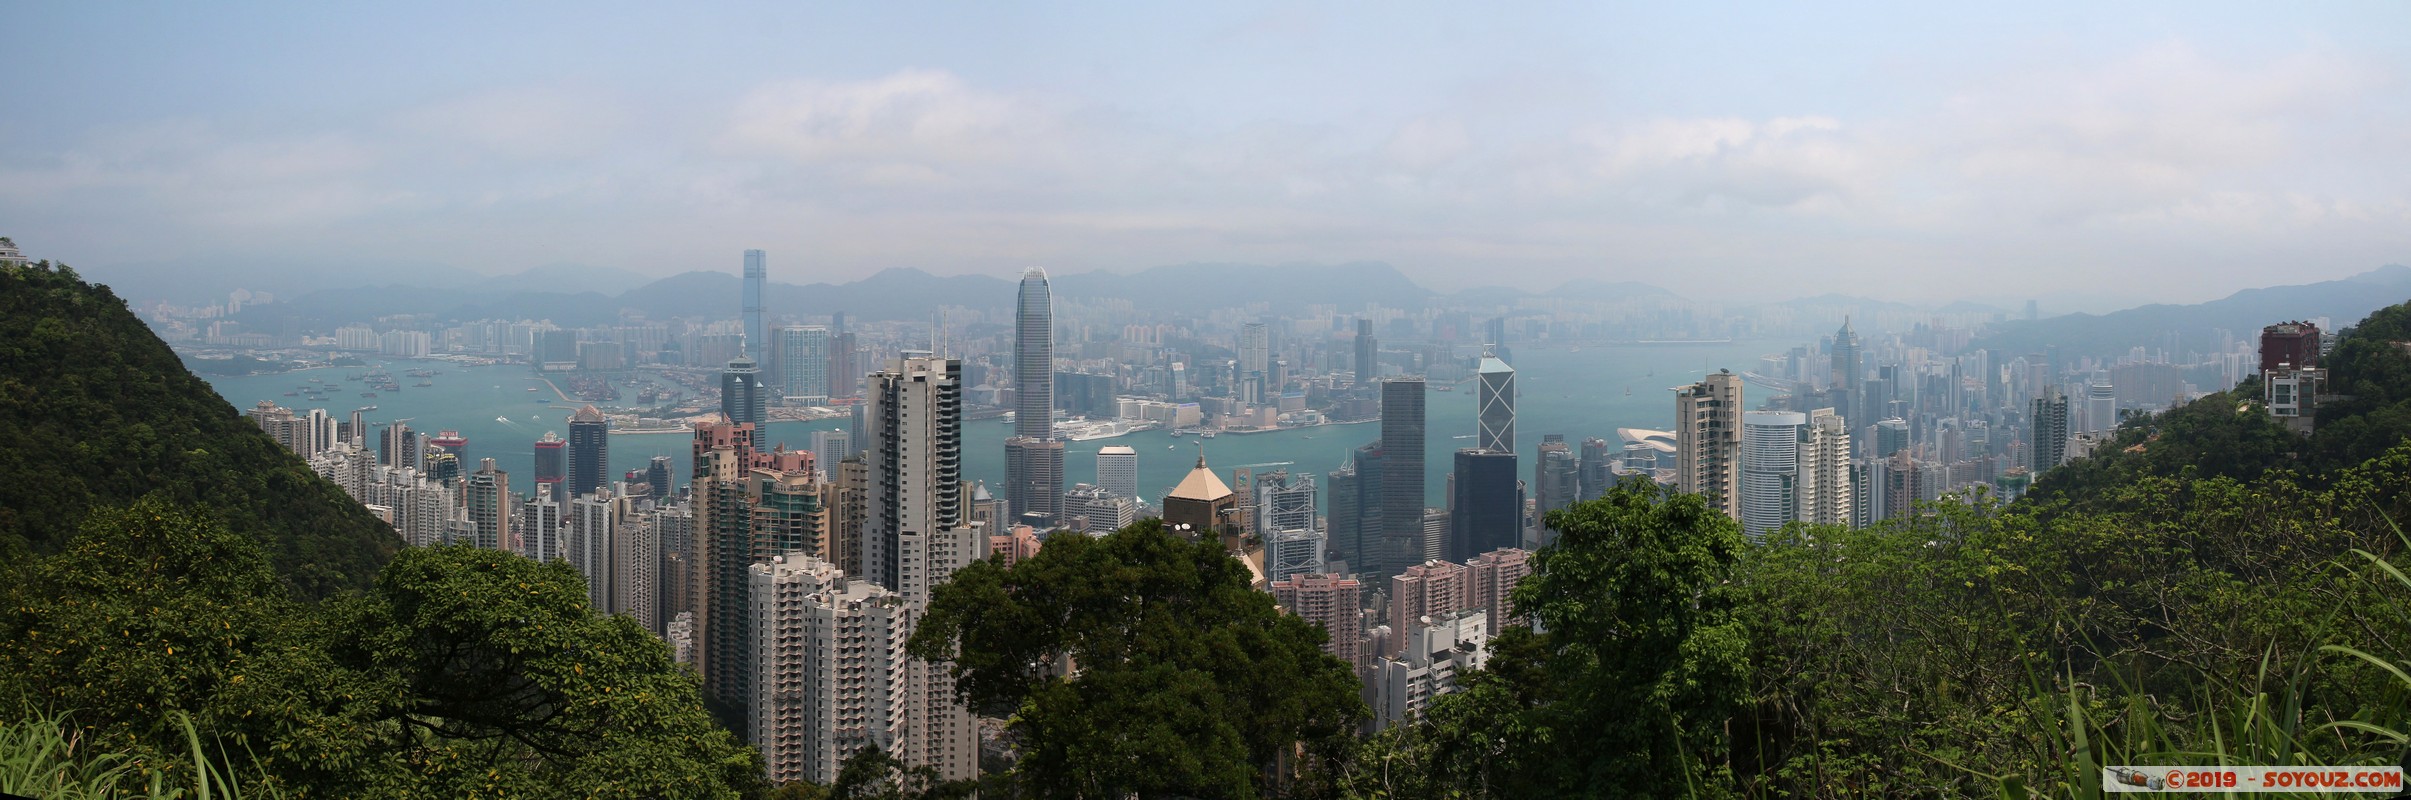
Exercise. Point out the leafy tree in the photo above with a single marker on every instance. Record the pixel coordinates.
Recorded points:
(1140, 663)
(1625, 686)
(151, 610)
(476, 673)
(1642, 656)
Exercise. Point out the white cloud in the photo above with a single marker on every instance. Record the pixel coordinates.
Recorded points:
(911, 116)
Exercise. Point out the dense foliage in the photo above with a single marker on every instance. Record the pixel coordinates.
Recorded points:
(96, 411)
(460, 673)
(1190, 683)
(1623, 688)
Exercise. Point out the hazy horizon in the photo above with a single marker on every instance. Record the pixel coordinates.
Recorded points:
(2089, 157)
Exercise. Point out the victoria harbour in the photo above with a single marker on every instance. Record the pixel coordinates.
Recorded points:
(1577, 392)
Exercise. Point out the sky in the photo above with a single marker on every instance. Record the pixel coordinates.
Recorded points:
(2089, 154)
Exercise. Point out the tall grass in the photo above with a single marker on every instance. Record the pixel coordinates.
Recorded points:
(2239, 723)
(46, 757)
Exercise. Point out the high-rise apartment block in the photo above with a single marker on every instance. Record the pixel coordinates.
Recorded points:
(1332, 601)
(1427, 665)
(2047, 432)
(487, 496)
(1492, 578)
(1429, 589)
(1708, 440)
(1827, 492)
(830, 665)
(917, 535)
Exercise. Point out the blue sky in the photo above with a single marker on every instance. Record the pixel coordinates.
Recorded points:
(2089, 154)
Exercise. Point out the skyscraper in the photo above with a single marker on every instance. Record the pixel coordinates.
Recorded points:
(744, 400)
(1770, 470)
(552, 460)
(589, 451)
(1496, 404)
(1891, 436)
(1034, 358)
(800, 356)
(1595, 476)
(845, 371)
(657, 473)
(454, 443)
(1401, 544)
(2101, 405)
(1286, 523)
(1368, 353)
(830, 447)
(1118, 470)
(1708, 440)
(1827, 491)
(1486, 505)
(757, 338)
(397, 447)
(1556, 482)
(2047, 432)
(1036, 466)
(1847, 372)
(1033, 459)
(1355, 524)
(1255, 362)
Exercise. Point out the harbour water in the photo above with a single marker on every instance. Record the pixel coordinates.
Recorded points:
(1580, 393)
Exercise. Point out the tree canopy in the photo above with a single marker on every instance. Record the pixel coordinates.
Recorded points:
(1140, 663)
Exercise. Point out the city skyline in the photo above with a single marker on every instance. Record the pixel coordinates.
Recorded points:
(2112, 149)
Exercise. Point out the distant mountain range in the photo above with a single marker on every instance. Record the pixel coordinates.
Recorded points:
(2343, 301)
(898, 294)
(601, 295)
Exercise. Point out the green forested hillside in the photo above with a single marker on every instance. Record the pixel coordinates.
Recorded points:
(95, 410)
(182, 598)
